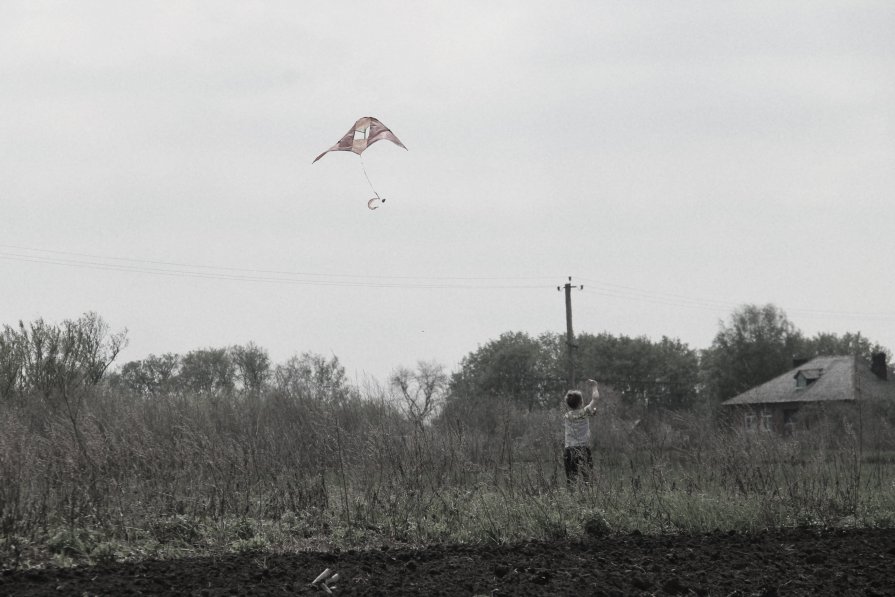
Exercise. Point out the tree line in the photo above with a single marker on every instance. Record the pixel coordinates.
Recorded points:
(52, 362)
(58, 363)
(756, 344)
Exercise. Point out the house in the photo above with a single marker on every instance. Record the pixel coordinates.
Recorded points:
(775, 405)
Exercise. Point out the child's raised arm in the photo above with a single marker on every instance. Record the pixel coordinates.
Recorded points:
(591, 408)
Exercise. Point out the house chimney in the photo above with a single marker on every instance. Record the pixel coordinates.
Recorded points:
(798, 361)
(878, 365)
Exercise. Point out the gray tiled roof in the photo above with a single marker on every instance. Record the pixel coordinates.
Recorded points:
(841, 378)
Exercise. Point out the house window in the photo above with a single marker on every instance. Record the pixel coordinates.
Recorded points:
(749, 423)
(806, 377)
(789, 421)
(765, 423)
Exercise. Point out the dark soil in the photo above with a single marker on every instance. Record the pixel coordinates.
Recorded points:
(784, 562)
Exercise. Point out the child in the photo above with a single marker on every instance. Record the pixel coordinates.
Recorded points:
(576, 455)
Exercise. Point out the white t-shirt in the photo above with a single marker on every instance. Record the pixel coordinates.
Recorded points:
(577, 426)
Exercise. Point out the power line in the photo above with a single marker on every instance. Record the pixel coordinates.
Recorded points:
(618, 290)
(179, 269)
(255, 270)
(606, 289)
(184, 270)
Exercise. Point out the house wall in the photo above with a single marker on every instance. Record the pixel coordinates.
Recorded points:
(769, 418)
(785, 418)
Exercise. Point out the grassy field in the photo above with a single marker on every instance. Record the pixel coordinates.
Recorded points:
(129, 478)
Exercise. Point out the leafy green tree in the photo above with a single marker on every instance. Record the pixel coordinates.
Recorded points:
(655, 374)
(532, 371)
(677, 374)
(827, 344)
(754, 346)
(515, 366)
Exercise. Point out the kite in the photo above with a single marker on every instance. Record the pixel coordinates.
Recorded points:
(365, 132)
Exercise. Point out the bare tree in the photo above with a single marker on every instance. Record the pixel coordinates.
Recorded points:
(62, 359)
(151, 376)
(313, 376)
(207, 371)
(12, 356)
(252, 366)
(421, 390)
(61, 363)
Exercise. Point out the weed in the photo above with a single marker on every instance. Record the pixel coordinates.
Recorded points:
(184, 475)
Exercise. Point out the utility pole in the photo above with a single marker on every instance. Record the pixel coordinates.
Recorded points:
(570, 336)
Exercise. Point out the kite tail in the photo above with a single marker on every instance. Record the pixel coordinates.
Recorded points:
(364, 166)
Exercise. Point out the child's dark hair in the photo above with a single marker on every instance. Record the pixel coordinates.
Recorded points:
(573, 399)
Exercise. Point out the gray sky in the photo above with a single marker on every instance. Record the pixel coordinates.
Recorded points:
(678, 159)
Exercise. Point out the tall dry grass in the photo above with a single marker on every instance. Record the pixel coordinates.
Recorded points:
(136, 477)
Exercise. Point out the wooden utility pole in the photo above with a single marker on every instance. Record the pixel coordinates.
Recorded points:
(570, 336)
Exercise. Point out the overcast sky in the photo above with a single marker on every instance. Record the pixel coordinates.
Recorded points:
(678, 159)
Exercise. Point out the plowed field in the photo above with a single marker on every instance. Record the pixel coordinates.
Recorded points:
(782, 562)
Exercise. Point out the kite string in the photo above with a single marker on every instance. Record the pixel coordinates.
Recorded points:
(364, 167)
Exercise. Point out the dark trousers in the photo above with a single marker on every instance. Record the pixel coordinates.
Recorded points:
(578, 461)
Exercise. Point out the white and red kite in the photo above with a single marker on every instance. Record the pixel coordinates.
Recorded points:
(365, 132)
